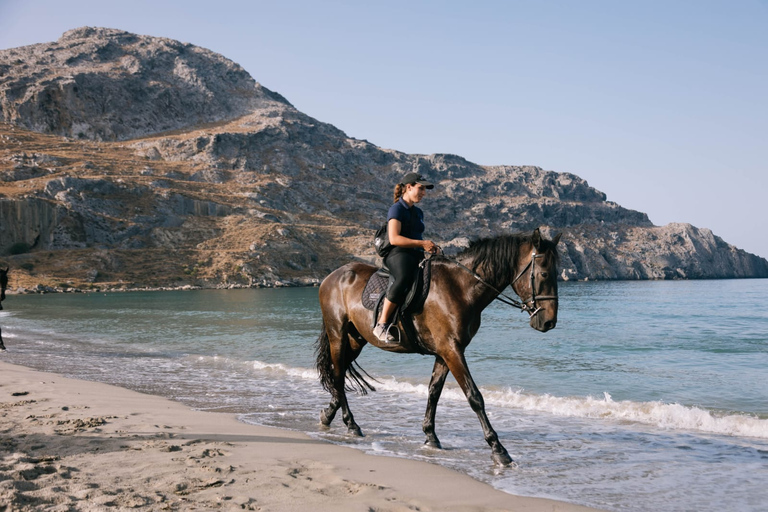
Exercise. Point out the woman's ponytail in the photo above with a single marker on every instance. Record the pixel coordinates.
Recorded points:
(399, 191)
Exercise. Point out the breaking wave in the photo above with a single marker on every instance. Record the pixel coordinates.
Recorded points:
(668, 416)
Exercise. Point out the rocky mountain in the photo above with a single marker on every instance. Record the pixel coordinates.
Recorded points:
(133, 161)
(105, 84)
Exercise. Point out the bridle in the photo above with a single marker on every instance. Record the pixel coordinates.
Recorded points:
(530, 306)
(532, 309)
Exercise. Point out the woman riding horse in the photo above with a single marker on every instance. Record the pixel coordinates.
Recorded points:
(405, 226)
(459, 291)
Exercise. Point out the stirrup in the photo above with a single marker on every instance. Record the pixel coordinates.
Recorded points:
(384, 335)
(395, 339)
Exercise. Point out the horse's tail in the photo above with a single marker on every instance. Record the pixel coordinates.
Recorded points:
(323, 362)
(324, 366)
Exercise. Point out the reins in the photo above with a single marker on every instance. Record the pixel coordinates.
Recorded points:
(531, 309)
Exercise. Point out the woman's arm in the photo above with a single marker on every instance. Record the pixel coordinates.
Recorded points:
(398, 240)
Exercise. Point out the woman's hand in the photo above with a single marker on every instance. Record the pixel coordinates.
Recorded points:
(430, 246)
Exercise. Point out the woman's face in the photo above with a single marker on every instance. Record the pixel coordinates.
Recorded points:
(414, 193)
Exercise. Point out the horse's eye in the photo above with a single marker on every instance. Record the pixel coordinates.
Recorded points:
(545, 275)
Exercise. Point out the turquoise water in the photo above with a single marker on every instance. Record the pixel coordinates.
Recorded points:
(647, 395)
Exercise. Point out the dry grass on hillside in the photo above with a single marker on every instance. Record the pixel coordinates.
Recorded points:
(204, 251)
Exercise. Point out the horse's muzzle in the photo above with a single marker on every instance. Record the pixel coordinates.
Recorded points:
(540, 323)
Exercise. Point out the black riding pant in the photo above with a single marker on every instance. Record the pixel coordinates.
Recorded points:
(403, 265)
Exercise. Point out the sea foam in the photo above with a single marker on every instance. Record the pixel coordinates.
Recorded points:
(670, 416)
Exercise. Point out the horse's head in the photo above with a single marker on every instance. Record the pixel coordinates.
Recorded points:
(536, 280)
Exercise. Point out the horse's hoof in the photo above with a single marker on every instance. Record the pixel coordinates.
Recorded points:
(324, 419)
(355, 431)
(433, 443)
(502, 459)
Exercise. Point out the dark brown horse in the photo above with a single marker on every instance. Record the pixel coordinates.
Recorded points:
(460, 289)
(3, 286)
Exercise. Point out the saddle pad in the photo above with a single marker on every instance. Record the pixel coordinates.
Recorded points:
(376, 286)
(379, 282)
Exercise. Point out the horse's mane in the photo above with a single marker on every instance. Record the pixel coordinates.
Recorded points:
(497, 255)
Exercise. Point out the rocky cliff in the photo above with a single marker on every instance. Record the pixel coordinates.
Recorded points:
(96, 191)
(107, 84)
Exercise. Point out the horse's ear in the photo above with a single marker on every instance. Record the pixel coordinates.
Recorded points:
(557, 238)
(536, 238)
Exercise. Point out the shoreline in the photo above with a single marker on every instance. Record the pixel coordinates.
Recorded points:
(41, 289)
(78, 445)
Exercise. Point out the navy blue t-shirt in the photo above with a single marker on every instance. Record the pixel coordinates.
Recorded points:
(411, 219)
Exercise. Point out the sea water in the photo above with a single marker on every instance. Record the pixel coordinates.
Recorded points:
(647, 395)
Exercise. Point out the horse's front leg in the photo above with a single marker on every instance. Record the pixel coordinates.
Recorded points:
(439, 373)
(458, 366)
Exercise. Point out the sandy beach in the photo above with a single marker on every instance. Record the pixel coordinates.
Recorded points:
(68, 444)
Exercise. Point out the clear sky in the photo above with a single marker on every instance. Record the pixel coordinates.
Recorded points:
(662, 105)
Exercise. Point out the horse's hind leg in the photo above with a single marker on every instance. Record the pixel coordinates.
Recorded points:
(342, 354)
(349, 420)
(327, 369)
(439, 373)
(347, 355)
(327, 414)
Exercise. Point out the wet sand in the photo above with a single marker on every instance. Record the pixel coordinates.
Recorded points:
(68, 444)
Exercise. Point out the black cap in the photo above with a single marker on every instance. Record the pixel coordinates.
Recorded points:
(414, 177)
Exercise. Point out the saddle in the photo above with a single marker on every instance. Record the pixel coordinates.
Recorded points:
(376, 289)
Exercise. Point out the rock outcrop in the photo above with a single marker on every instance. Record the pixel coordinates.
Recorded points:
(248, 191)
(106, 84)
